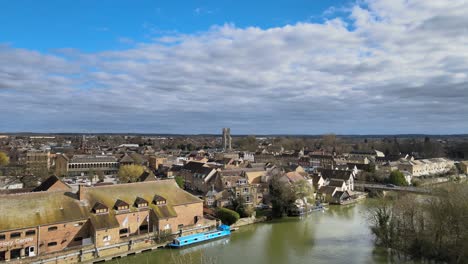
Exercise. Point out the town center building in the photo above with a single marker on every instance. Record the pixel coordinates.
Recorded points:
(41, 223)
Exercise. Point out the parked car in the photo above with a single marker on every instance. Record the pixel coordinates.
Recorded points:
(391, 185)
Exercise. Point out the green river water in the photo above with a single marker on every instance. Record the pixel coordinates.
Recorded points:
(338, 235)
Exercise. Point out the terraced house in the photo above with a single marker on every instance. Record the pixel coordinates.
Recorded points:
(97, 219)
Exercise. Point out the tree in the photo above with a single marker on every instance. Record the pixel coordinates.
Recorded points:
(227, 216)
(4, 159)
(180, 181)
(282, 196)
(91, 175)
(239, 206)
(397, 178)
(247, 143)
(100, 175)
(303, 190)
(430, 228)
(130, 173)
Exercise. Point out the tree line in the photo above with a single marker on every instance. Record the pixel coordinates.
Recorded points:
(434, 227)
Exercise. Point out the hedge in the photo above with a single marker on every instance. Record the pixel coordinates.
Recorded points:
(227, 216)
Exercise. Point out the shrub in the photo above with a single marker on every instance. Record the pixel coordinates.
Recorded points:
(397, 178)
(227, 216)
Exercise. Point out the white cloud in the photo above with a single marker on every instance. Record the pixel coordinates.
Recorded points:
(387, 66)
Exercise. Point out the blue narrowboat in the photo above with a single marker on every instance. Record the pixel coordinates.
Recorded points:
(221, 231)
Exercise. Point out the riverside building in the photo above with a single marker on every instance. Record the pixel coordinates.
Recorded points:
(95, 221)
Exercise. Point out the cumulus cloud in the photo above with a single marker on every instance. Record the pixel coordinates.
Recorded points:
(381, 66)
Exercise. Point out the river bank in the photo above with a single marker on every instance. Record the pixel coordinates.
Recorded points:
(338, 235)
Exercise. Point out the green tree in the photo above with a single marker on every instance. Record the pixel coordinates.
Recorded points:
(397, 178)
(130, 173)
(180, 181)
(282, 196)
(240, 207)
(303, 190)
(4, 159)
(227, 216)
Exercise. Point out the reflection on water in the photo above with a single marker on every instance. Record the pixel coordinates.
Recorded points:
(201, 247)
(338, 235)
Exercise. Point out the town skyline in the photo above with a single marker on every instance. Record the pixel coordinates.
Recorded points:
(344, 67)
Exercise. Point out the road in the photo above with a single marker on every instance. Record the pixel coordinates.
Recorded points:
(383, 187)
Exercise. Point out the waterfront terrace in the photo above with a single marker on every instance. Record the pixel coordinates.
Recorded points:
(40, 223)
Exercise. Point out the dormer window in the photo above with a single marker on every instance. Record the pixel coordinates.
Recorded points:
(159, 200)
(121, 205)
(100, 208)
(140, 203)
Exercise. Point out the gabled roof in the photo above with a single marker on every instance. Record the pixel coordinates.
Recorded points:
(39, 208)
(294, 176)
(193, 166)
(158, 198)
(146, 176)
(127, 159)
(336, 183)
(140, 200)
(120, 203)
(168, 189)
(335, 174)
(99, 206)
(49, 182)
(330, 190)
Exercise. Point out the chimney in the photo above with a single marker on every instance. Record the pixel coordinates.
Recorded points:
(81, 192)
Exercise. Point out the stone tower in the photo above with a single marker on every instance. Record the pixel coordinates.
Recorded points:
(227, 139)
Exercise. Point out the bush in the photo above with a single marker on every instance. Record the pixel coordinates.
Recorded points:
(227, 216)
(397, 178)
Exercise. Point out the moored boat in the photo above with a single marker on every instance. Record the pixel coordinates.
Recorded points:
(221, 231)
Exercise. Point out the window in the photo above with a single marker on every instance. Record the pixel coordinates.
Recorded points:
(101, 211)
(247, 199)
(123, 231)
(51, 244)
(30, 232)
(106, 238)
(2, 237)
(246, 190)
(180, 226)
(76, 239)
(14, 235)
(52, 228)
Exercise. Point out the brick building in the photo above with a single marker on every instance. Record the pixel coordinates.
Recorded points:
(39, 223)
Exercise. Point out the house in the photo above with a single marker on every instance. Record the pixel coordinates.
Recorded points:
(326, 193)
(104, 217)
(346, 175)
(317, 181)
(340, 197)
(339, 184)
(53, 183)
(234, 184)
(197, 176)
(425, 166)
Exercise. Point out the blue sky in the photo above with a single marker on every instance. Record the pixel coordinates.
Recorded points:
(107, 24)
(259, 67)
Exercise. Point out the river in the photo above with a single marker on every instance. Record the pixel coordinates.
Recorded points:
(338, 235)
